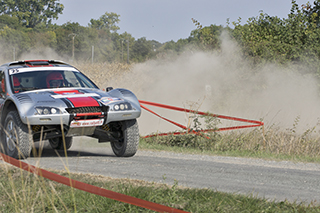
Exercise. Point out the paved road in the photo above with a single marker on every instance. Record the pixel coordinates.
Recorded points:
(268, 179)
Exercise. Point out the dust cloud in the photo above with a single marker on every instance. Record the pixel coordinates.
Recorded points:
(43, 53)
(224, 83)
(217, 82)
(36, 53)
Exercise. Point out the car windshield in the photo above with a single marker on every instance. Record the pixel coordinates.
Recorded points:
(25, 80)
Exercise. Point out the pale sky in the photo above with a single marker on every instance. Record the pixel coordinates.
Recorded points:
(168, 20)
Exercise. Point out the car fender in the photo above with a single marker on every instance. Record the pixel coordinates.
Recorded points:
(126, 95)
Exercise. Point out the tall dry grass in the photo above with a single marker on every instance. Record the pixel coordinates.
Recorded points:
(104, 74)
(268, 142)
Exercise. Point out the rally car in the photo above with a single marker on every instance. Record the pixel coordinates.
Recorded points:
(52, 100)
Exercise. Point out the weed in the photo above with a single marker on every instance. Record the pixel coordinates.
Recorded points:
(274, 141)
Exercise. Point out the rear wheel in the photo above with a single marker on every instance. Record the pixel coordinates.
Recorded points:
(16, 141)
(128, 143)
(57, 143)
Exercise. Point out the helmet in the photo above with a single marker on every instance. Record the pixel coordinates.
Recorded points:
(54, 76)
(16, 82)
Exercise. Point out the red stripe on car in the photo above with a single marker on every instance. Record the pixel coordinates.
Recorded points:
(83, 101)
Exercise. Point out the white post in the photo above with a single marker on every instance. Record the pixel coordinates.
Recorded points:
(92, 53)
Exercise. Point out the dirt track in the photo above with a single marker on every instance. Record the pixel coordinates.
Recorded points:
(269, 179)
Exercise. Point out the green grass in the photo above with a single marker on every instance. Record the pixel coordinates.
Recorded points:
(24, 192)
(145, 145)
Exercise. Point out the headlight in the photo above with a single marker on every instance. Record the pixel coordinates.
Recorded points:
(122, 107)
(46, 110)
(38, 111)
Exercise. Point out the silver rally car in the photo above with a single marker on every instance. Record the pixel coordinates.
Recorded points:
(52, 100)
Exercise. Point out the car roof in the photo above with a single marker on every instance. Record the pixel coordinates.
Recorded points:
(37, 63)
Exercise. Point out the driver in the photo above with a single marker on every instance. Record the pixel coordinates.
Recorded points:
(55, 80)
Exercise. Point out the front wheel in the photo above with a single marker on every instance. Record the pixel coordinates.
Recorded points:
(128, 143)
(16, 141)
(57, 143)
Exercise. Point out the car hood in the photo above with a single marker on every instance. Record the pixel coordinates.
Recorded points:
(62, 97)
(70, 98)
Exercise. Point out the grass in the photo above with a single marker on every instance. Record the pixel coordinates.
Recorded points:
(270, 142)
(24, 192)
(241, 145)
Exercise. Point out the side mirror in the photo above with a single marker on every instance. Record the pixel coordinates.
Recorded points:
(109, 89)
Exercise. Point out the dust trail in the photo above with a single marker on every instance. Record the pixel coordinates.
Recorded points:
(224, 83)
(43, 53)
(220, 82)
(36, 53)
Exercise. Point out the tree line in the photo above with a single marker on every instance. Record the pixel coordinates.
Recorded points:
(26, 25)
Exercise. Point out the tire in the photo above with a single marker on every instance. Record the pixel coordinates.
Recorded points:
(16, 141)
(128, 143)
(57, 143)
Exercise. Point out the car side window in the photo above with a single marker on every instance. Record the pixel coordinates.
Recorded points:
(2, 85)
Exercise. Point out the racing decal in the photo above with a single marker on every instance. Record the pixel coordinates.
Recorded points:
(74, 95)
(32, 69)
(67, 102)
(68, 92)
(86, 123)
(109, 100)
(83, 101)
(77, 98)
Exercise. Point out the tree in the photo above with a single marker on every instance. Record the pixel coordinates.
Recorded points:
(12, 22)
(32, 12)
(11, 39)
(267, 38)
(107, 21)
(142, 48)
(312, 12)
(208, 38)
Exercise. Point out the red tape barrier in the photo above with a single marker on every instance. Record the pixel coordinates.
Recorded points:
(254, 123)
(87, 187)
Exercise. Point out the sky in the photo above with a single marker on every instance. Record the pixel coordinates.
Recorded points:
(168, 20)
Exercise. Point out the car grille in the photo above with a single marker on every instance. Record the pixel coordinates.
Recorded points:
(84, 110)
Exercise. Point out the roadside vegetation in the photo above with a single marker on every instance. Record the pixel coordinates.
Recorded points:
(278, 145)
(25, 192)
(272, 143)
